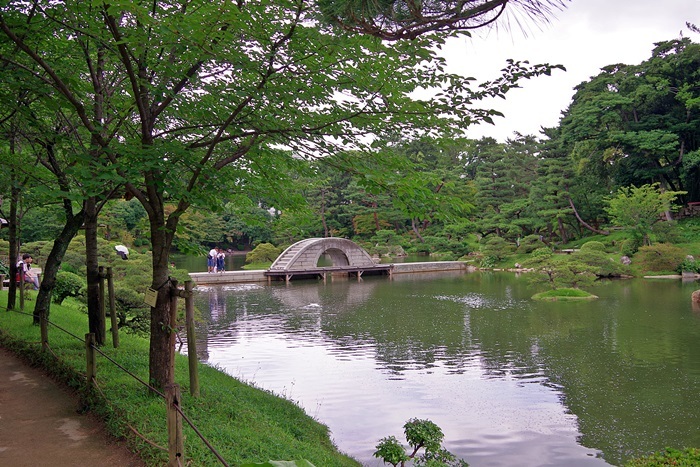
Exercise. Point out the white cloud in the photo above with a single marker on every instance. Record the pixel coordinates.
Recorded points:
(585, 37)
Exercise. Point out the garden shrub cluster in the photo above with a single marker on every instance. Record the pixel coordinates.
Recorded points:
(497, 247)
(593, 246)
(529, 244)
(660, 257)
(263, 253)
(67, 285)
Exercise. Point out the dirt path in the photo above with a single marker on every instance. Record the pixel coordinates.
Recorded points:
(39, 424)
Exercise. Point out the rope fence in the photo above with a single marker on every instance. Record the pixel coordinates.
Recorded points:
(175, 415)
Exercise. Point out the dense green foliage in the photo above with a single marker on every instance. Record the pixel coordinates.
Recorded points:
(108, 98)
(117, 112)
(453, 191)
(442, 195)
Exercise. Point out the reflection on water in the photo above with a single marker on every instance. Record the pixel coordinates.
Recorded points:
(510, 381)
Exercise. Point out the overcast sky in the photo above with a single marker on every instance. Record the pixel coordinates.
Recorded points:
(586, 36)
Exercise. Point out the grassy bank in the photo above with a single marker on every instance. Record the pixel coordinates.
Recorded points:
(242, 423)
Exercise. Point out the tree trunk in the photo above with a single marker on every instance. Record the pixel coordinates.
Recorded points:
(53, 263)
(562, 230)
(581, 221)
(415, 230)
(161, 352)
(96, 322)
(14, 240)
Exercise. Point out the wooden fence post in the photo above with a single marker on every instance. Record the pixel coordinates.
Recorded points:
(2, 281)
(173, 330)
(112, 308)
(44, 327)
(191, 341)
(176, 447)
(21, 288)
(102, 337)
(90, 357)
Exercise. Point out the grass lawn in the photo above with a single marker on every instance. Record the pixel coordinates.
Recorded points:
(244, 424)
(564, 294)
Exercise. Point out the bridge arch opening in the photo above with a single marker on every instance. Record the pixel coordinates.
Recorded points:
(336, 256)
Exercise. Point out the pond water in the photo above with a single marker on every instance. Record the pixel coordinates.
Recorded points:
(510, 381)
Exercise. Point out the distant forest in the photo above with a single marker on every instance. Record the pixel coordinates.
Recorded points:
(629, 126)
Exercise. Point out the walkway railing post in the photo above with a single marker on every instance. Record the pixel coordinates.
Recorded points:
(176, 446)
(173, 330)
(112, 308)
(44, 327)
(103, 321)
(21, 288)
(90, 357)
(191, 341)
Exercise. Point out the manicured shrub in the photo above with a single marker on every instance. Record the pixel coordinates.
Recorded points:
(497, 247)
(558, 271)
(132, 313)
(593, 246)
(603, 265)
(542, 253)
(660, 257)
(689, 264)
(263, 253)
(529, 244)
(630, 246)
(67, 285)
(666, 232)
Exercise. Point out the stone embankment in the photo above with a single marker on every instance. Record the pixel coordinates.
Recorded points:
(237, 277)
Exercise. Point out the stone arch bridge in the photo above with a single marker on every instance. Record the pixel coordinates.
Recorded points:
(301, 259)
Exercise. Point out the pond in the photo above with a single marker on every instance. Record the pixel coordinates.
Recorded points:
(510, 381)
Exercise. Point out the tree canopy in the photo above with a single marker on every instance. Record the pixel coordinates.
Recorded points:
(178, 102)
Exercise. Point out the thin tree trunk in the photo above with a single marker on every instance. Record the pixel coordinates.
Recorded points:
(53, 262)
(562, 230)
(14, 240)
(160, 351)
(96, 323)
(415, 230)
(583, 223)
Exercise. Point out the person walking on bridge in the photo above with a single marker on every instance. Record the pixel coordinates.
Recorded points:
(211, 260)
(220, 261)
